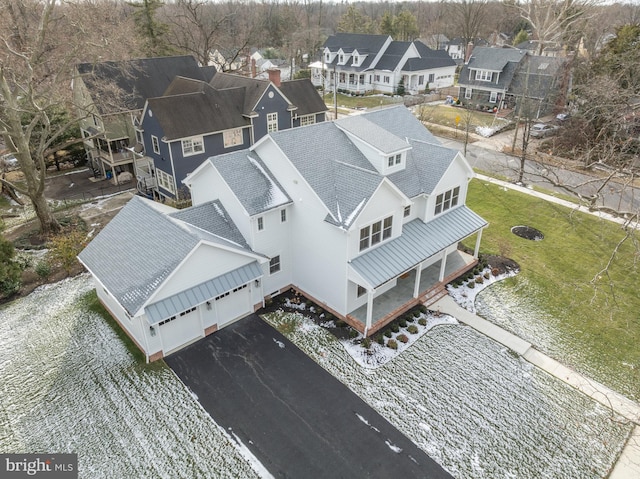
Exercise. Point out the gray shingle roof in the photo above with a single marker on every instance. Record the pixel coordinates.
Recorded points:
(543, 73)
(253, 88)
(361, 127)
(391, 57)
(341, 175)
(139, 79)
(418, 242)
(426, 164)
(136, 251)
(428, 59)
(365, 44)
(204, 111)
(250, 181)
(504, 60)
(302, 94)
(401, 122)
(212, 218)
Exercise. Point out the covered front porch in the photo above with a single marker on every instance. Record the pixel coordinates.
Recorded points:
(412, 268)
(429, 283)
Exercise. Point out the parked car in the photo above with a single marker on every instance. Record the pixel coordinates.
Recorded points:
(562, 117)
(542, 130)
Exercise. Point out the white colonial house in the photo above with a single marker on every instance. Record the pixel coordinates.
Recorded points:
(359, 63)
(362, 215)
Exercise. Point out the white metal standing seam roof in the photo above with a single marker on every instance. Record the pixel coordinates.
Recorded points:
(201, 293)
(418, 242)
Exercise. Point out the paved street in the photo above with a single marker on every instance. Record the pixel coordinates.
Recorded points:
(294, 416)
(485, 156)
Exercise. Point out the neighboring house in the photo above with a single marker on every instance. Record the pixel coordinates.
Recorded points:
(437, 41)
(499, 77)
(363, 215)
(359, 64)
(111, 96)
(533, 47)
(457, 48)
(194, 120)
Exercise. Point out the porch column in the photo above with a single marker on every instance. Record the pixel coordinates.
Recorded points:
(476, 250)
(443, 265)
(416, 287)
(367, 324)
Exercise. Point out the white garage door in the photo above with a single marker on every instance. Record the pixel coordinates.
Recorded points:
(180, 329)
(233, 304)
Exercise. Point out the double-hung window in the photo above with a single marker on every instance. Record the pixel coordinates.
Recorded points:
(232, 137)
(373, 234)
(156, 144)
(493, 97)
(467, 93)
(447, 200)
(274, 264)
(165, 180)
(192, 146)
(272, 122)
(307, 120)
(483, 75)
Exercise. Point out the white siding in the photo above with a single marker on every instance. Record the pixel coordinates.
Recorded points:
(385, 202)
(275, 240)
(205, 262)
(318, 251)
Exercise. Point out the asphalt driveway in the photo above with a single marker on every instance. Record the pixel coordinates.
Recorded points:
(296, 418)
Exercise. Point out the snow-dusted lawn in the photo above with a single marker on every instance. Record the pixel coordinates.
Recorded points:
(68, 384)
(475, 407)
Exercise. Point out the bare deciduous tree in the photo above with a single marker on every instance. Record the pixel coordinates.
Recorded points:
(40, 43)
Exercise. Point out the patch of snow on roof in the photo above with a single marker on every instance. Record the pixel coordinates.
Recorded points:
(219, 210)
(354, 213)
(276, 196)
(338, 211)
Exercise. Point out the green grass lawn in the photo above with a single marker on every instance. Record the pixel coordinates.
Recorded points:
(596, 312)
(367, 101)
(446, 115)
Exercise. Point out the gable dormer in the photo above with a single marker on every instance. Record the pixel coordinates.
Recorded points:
(328, 55)
(343, 57)
(357, 58)
(386, 152)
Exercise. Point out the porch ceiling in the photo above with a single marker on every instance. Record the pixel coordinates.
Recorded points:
(202, 292)
(418, 242)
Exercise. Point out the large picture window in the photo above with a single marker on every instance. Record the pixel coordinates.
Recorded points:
(192, 146)
(375, 233)
(447, 200)
(483, 75)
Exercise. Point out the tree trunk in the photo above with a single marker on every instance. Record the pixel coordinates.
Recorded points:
(48, 222)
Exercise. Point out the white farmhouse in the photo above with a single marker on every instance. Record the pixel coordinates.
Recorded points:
(362, 215)
(359, 63)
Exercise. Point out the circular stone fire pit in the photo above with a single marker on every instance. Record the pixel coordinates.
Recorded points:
(527, 232)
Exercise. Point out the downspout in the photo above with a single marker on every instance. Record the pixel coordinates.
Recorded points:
(173, 172)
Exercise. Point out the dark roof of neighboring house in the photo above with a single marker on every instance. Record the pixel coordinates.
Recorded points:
(138, 79)
(206, 110)
(542, 73)
(365, 44)
(362, 42)
(253, 87)
(503, 60)
(435, 58)
(302, 94)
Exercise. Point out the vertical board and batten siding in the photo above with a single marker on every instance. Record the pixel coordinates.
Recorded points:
(385, 202)
(205, 263)
(318, 249)
(274, 240)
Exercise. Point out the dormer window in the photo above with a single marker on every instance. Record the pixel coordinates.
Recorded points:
(483, 75)
(327, 57)
(394, 160)
(341, 59)
(356, 60)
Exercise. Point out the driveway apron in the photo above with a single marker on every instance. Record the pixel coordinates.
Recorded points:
(296, 418)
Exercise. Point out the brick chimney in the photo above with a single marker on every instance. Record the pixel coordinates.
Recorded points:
(274, 76)
(253, 68)
(467, 53)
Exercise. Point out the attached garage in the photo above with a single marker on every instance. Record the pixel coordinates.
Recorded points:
(233, 304)
(180, 329)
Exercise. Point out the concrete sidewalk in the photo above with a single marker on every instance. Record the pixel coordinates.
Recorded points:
(628, 465)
